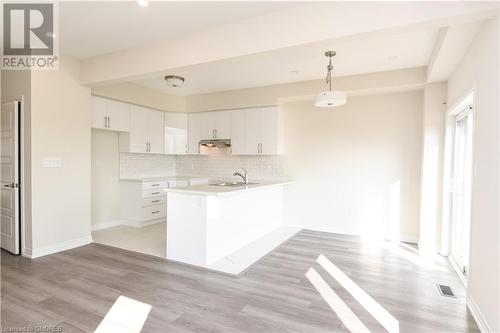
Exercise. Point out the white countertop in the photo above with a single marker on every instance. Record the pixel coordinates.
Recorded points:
(224, 190)
(153, 179)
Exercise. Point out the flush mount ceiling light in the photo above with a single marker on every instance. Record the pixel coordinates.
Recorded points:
(174, 81)
(330, 98)
(143, 3)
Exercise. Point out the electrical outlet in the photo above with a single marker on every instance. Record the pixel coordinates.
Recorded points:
(52, 162)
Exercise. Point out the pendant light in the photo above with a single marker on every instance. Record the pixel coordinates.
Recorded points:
(330, 98)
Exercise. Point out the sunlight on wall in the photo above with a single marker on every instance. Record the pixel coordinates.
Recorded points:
(126, 315)
(395, 211)
(348, 318)
(429, 206)
(390, 323)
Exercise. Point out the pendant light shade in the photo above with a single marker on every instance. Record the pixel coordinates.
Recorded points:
(330, 98)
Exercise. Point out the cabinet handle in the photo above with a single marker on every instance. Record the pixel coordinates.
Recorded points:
(105, 121)
(216, 133)
(155, 192)
(153, 201)
(155, 212)
(147, 147)
(155, 184)
(109, 122)
(261, 148)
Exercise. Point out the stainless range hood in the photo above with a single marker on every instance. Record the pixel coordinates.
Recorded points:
(219, 143)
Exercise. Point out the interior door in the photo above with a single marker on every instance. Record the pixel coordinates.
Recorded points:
(461, 191)
(9, 134)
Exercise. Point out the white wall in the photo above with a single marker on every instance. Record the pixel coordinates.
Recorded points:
(433, 125)
(480, 69)
(356, 167)
(105, 177)
(60, 128)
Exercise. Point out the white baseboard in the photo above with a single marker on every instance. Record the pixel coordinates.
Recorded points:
(478, 316)
(59, 247)
(130, 223)
(402, 238)
(107, 224)
(27, 252)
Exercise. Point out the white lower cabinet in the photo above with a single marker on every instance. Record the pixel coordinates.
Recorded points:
(143, 203)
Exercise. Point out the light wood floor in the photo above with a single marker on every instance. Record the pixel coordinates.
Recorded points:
(76, 288)
(149, 240)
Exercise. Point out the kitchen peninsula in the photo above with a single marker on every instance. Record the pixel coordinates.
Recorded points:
(225, 226)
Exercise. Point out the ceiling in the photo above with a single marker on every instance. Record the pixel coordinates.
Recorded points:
(380, 52)
(92, 28)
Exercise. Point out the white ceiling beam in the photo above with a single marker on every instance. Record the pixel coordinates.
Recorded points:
(354, 85)
(451, 45)
(291, 27)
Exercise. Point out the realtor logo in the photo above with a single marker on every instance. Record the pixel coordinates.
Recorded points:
(29, 36)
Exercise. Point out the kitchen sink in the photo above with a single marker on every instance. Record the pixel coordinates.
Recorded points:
(233, 184)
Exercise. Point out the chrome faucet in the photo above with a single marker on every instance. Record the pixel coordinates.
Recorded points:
(244, 176)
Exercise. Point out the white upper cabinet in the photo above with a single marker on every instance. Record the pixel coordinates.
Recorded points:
(215, 125)
(238, 143)
(176, 137)
(156, 136)
(256, 131)
(263, 131)
(207, 125)
(146, 132)
(194, 132)
(253, 131)
(223, 124)
(272, 131)
(110, 115)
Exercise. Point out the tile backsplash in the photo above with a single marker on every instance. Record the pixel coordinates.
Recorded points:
(223, 166)
(213, 167)
(146, 165)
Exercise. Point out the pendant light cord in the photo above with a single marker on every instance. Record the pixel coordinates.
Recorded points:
(329, 73)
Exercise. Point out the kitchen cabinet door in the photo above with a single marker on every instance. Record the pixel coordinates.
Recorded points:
(270, 136)
(223, 124)
(193, 133)
(136, 141)
(207, 125)
(119, 116)
(238, 132)
(154, 135)
(99, 114)
(253, 131)
(176, 133)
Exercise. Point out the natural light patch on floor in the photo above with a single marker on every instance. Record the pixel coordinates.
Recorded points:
(390, 323)
(125, 316)
(348, 318)
(412, 255)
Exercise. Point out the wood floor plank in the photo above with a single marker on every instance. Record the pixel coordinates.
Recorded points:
(75, 289)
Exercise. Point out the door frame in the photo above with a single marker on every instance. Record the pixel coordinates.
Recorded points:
(468, 99)
(23, 250)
